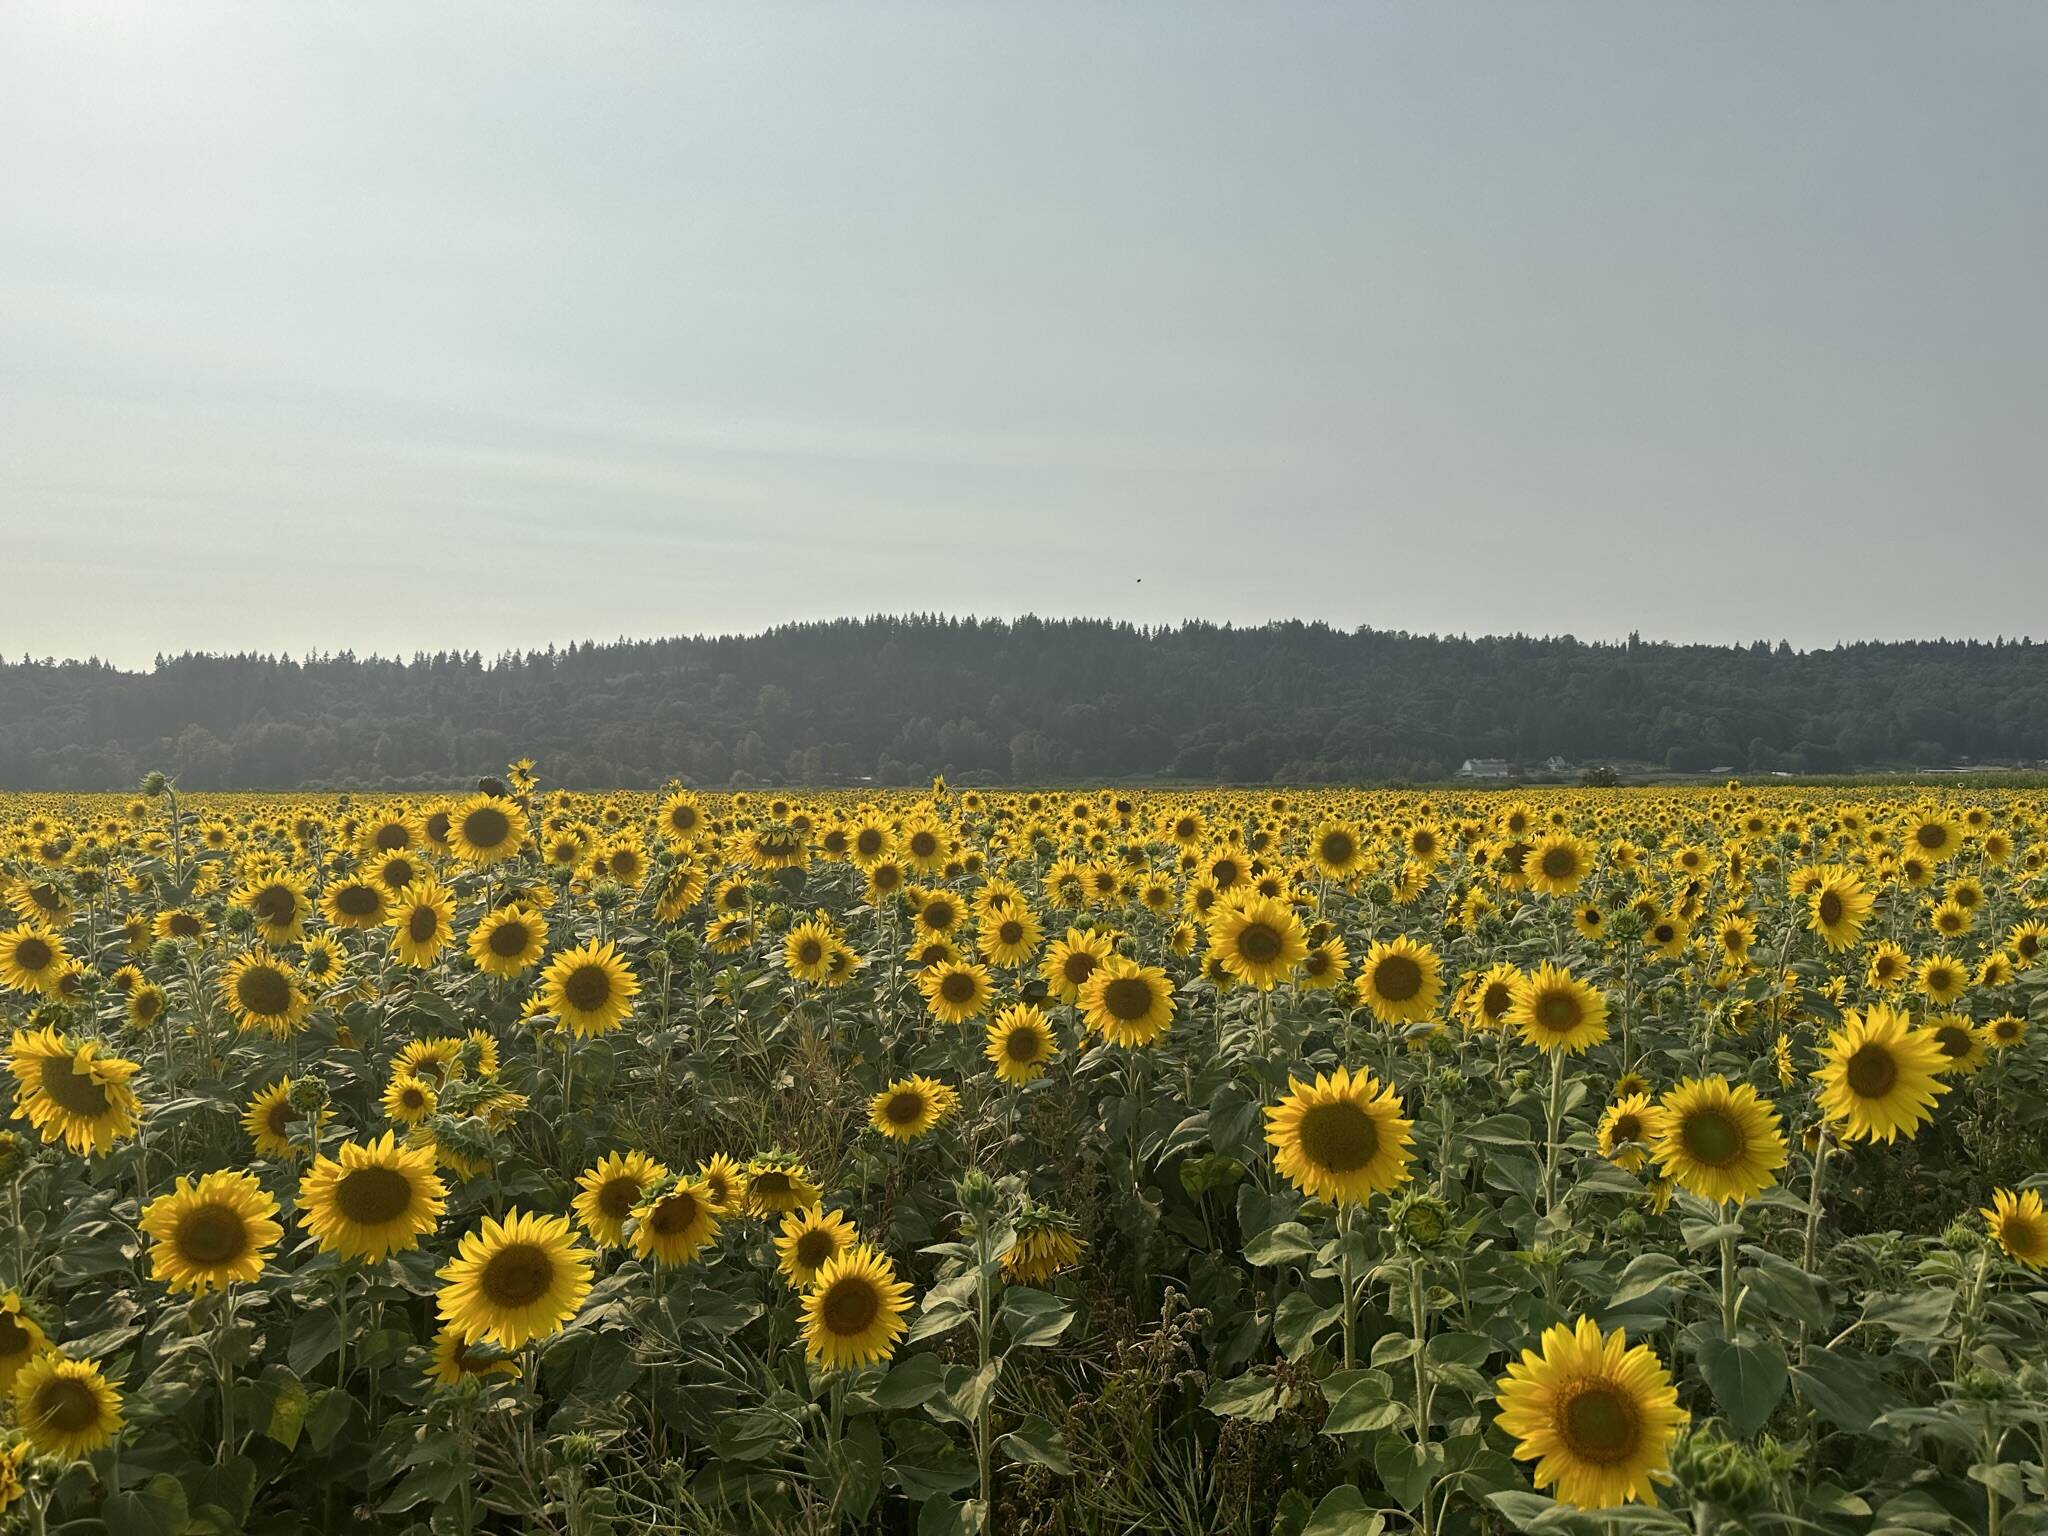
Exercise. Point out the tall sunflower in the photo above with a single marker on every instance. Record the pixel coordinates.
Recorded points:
(508, 940)
(2020, 1224)
(278, 903)
(589, 988)
(1879, 1075)
(809, 1240)
(454, 1360)
(1596, 1416)
(1721, 1141)
(672, 1226)
(355, 903)
(372, 1199)
(1340, 1138)
(73, 1093)
(211, 1232)
(807, 949)
(608, 1192)
(1259, 940)
(1557, 1012)
(1557, 864)
(1020, 1043)
(911, 1107)
(486, 829)
(1127, 1003)
(66, 1407)
(514, 1280)
(422, 922)
(854, 1313)
(1401, 980)
(1070, 961)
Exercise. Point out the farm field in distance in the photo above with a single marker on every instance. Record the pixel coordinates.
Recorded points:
(1323, 1161)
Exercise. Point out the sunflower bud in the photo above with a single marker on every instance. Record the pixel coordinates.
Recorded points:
(976, 1192)
(1715, 1470)
(1420, 1221)
(308, 1095)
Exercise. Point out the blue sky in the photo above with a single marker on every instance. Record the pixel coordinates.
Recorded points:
(397, 326)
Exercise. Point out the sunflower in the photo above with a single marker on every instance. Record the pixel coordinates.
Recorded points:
(73, 1093)
(608, 1191)
(262, 992)
(409, 1099)
(2005, 1031)
(1043, 1248)
(589, 988)
(1071, 961)
(1589, 919)
(279, 905)
(1341, 1138)
(810, 1239)
(1721, 1142)
(508, 940)
(911, 1107)
(513, 1280)
(146, 1005)
(182, 923)
(1934, 837)
(1488, 996)
(807, 949)
(32, 959)
(322, 960)
(1631, 1126)
(1401, 980)
(1879, 1075)
(777, 1184)
(1889, 967)
(1557, 864)
(2021, 1226)
(1556, 1012)
(853, 1314)
(1960, 1042)
(66, 1407)
(1260, 940)
(1009, 938)
(725, 1181)
(486, 829)
(358, 904)
(955, 991)
(673, 1226)
(1596, 1416)
(372, 1199)
(21, 1338)
(1127, 1003)
(680, 819)
(422, 922)
(455, 1361)
(2028, 941)
(268, 1119)
(1020, 1043)
(212, 1232)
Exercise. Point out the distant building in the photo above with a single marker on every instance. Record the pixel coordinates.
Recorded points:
(1556, 765)
(1485, 768)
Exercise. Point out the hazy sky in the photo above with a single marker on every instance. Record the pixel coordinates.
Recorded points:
(414, 325)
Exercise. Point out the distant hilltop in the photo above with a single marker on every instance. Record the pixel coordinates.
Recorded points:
(895, 700)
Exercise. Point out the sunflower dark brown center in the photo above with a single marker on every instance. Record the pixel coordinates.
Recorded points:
(33, 954)
(617, 1197)
(1397, 978)
(1496, 999)
(1338, 848)
(850, 1306)
(958, 987)
(905, 1108)
(1930, 837)
(923, 845)
(1871, 1072)
(1954, 1040)
(1599, 1421)
(1011, 932)
(588, 988)
(486, 827)
(74, 1091)
(372, 1196)
(184, 925)
(1340, 1136)
(1560, 863)
(424, 923)
(1711, 1137)
(1830, 907)
(1627, 1128)
(1128, 998)
(1259, 943)
(517, 1275)
(809, 952)
(674, 1213)
(814, 1248)
(391, 837)
(265, 990)
(1559, 1012)
(274, 904)
(211, 1234)
(1021, 1045)
(66, 1405)
(1078, 967)
(14, 1339)
(509, 939)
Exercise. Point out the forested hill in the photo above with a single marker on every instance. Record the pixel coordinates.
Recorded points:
(898, 699)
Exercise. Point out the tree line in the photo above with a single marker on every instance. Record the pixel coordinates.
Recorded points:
(893, 700)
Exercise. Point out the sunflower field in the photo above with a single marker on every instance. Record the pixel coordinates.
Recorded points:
(1321, 1163)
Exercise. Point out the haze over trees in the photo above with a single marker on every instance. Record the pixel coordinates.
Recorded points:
(895, 700)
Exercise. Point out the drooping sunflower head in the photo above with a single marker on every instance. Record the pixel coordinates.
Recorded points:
(1595, 1415)
(1341, 1138)
(454, 1360)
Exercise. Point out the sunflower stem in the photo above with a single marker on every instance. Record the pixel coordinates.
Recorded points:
(1731, 1304)
(1417, 1317)
(1350, 1290)
(1553, 1113)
